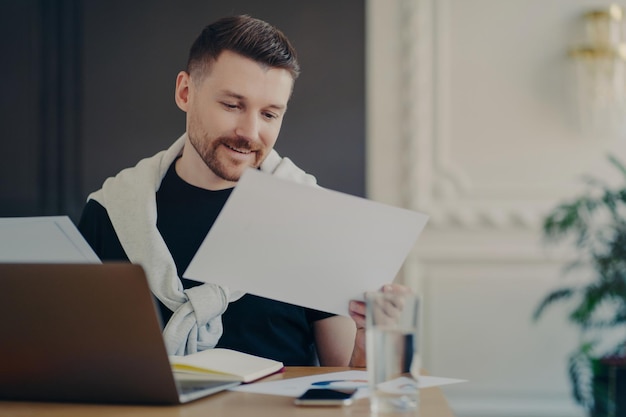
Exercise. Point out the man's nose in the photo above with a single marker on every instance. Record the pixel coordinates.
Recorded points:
(248, 127)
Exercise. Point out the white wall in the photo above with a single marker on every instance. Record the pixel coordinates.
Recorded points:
(470, 121)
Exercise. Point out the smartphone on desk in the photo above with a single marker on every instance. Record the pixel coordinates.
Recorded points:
(326, 397)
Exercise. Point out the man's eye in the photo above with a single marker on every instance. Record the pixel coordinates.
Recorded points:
(230, 106)
(270, 116)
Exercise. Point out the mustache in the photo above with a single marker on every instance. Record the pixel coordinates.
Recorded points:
(238, 142)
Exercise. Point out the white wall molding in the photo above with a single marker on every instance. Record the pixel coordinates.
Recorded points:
(447, 192)
(383, 107)
(465, 122)
(446, 176)
(498, 246)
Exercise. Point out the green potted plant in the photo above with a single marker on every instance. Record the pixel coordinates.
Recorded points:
(596, 221)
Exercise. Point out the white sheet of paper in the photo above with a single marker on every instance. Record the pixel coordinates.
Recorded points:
(295, 387)
(45, 239)
(304, 245)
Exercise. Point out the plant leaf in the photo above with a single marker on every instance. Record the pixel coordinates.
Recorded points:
(617, 164)
(579, 371)
(559, 294)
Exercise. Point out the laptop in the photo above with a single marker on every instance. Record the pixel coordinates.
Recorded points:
(86, 333)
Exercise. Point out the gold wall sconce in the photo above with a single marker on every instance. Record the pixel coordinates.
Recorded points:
(601, 72)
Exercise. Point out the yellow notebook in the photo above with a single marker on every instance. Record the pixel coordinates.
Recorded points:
(223, 364)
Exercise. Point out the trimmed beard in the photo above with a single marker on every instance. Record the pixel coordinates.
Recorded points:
(207, 149)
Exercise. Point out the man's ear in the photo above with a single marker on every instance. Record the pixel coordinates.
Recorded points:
(183, 86)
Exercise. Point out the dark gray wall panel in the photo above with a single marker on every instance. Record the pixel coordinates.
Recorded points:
(19, 106)
(89, 88)
(135, 49)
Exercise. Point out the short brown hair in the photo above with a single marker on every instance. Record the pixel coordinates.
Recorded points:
(247, 36)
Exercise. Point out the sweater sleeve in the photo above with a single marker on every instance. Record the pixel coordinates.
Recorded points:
(97, 229)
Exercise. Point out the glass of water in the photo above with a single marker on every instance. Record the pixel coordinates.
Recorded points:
(393, 361)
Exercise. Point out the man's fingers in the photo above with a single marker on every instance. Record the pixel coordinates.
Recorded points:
(357, 312)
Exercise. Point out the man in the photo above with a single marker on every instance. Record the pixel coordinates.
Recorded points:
(239, 78)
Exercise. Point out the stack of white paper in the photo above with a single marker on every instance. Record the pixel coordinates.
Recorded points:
(48, 239)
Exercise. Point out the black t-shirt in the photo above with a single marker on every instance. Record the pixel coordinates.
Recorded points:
(185, 214)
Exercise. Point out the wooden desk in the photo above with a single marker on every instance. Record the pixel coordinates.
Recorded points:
(231, 404)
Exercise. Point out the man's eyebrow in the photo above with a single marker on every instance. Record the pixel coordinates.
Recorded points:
(232, 94)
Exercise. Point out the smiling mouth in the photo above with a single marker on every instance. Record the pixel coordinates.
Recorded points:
(239, 150)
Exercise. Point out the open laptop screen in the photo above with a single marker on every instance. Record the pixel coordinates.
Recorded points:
(81, 333)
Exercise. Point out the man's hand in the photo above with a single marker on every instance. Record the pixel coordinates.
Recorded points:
(357, 312)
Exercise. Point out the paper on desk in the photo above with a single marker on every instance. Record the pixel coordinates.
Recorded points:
(304, 245)
(44, 239)
(294, 387)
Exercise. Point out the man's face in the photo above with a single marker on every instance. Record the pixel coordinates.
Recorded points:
(234, 113)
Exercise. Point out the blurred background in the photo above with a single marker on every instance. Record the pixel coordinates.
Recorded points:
(472, 111)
